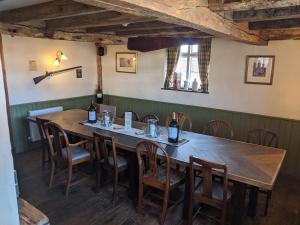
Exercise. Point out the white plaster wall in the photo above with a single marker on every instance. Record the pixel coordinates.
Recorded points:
(8, 200)
(19, 50)
(227, 88)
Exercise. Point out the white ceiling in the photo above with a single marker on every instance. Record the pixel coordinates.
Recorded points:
(12, 4)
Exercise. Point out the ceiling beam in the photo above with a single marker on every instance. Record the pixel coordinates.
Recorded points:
(199, 18)
(48, 10)
(25, 31)
(131, 27)
(282, 34)
(156, 31)
(251, 4)
(94, 20)
(274, 24)
(267, 14)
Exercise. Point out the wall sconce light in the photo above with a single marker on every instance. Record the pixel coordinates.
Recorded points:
(59, 57)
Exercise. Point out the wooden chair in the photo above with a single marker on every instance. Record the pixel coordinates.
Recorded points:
(110, 108)
(135, 116)
(108, 159)
(266, 138)
(209, 193)
(219, 128)
(45, 146)
(182, 118)
(149, 116)
(160, 178)
(63, 154)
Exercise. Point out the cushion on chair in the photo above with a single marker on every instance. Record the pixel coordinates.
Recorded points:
(175, 176)
(217, 192)
(77, 153)
(121, 161)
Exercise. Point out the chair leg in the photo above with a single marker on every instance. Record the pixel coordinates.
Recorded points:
(267, 202)
(141, 196)
(164, 208)
(70, 168)
(52, 171)
(190, 212)
(115, 188)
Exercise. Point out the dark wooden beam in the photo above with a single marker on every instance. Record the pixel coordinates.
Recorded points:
(94, 20)
(218, 5)
(131, 27)
(159, 31)
(267, 14)
(282, 34)
(48, 10)
(274, 24)
(176, 12)
(146, 44)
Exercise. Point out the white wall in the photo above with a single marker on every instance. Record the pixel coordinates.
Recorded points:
(227, 88)
(19, 50)
(8, 200)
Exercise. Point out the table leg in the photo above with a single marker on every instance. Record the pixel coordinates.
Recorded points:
(186, 196)
(239, 200)
(98, 177)
(252, 202)
(133, 176)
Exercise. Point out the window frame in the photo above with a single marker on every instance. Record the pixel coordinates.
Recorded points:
(189, 55)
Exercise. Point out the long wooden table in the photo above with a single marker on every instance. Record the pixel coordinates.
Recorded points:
(248, 164)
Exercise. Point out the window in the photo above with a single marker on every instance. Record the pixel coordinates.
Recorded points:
(187, 65)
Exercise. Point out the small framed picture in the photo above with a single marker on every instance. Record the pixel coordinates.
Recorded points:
(126, 62)
(259, 69)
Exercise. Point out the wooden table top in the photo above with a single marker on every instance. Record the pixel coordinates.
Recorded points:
(247, 163)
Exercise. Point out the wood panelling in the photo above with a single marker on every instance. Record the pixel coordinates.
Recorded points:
(288, 130)
(19, 112)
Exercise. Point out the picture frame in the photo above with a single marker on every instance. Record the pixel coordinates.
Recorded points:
(126, 62)
(259, 69)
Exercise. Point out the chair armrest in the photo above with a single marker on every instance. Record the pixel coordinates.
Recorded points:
(79, 143)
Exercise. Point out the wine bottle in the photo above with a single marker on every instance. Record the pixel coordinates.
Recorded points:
(92, 114)
(173, 130)
(99, 96)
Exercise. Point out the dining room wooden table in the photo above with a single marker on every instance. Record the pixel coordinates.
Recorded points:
(248, 164)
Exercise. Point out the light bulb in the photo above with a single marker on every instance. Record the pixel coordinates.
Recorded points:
(63, 57)
(56, 62)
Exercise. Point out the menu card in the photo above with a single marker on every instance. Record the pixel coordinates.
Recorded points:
(128, 120)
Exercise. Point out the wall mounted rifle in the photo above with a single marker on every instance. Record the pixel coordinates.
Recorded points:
(49, 74)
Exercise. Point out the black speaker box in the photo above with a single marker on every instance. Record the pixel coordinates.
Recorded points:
(102, 51)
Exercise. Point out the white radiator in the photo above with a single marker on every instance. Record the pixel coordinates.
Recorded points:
(33, 128)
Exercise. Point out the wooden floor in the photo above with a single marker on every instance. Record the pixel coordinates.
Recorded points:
(84, 207)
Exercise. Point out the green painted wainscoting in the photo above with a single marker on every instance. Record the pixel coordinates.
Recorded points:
(288, 130)
(20, 128)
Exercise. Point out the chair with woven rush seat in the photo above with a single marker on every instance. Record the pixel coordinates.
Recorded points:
(209, 193)
(108, 159)
(182, 119)
(110, 108)
(149, 116)
(135, 116)
(45, 146)
(161, 178)
(63, 154)
(266, 138)
(219, 128)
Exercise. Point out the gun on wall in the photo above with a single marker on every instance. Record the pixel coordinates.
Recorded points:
(49, 74)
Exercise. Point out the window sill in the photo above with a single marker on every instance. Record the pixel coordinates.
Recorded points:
(183, 90)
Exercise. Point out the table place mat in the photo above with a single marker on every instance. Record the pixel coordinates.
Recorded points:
(138, 133)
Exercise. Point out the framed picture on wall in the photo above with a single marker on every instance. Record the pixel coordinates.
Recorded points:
(259, 69)
(126, 62)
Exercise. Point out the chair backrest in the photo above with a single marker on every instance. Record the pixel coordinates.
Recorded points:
(263, 137)
(182, 119)
(219, 128)
(152, 151)
(208, 169)
(149, 116)
(135, 116)
(41, 125)
(110, 108)
(57, 139)
(103, 144)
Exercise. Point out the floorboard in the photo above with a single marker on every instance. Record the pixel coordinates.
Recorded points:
(84, 207)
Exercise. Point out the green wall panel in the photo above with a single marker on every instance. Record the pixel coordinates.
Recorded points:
(288, 130)
(19, 112)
